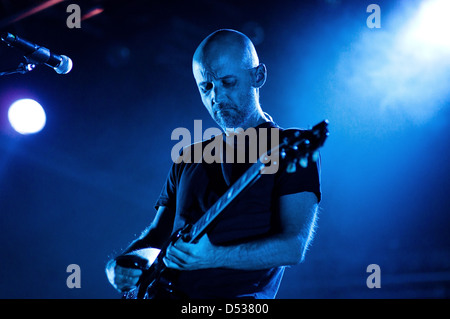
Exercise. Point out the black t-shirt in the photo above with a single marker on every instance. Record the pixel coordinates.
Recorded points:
(192, 188)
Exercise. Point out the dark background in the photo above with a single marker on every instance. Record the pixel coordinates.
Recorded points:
(81, 189)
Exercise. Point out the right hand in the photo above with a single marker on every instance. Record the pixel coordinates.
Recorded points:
(122, 279)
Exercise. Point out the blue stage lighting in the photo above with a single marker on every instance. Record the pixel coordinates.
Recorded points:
(431, 26)
(400, 73)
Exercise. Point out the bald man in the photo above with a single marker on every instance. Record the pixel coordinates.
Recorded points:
(229, 76)
(244, 254)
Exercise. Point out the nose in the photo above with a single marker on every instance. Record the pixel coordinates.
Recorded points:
(217, 94)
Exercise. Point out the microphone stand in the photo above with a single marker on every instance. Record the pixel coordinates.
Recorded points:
(22, 68)
(30, 63)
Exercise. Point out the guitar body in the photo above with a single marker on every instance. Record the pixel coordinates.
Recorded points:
(156, 281)
(149, 287)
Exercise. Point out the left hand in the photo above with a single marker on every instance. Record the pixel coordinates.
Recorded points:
(185, 256)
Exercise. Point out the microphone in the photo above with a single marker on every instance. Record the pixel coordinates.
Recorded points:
(37, 54)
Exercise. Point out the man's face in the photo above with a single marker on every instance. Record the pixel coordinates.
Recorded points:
(226, 89)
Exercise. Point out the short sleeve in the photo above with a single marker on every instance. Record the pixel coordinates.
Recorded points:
(167, 196)
(302, 180)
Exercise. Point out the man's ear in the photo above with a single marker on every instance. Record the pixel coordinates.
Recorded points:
(259, 75)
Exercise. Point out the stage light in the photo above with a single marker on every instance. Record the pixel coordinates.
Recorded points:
(417, 65)
(431, 25)
(400, 73)
(26, 116)
(426, 34)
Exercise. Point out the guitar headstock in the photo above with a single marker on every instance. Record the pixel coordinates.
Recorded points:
(301, 146)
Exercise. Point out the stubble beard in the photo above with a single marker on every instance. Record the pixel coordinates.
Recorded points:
(230, 116)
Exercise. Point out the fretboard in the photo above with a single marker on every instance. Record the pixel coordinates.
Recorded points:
(214, 211)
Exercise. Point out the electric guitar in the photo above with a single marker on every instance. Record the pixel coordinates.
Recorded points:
(297, 147)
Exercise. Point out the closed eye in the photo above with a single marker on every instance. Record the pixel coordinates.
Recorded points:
(229, 82)
(206, 86)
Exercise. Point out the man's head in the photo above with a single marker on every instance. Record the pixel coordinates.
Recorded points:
(229, 75)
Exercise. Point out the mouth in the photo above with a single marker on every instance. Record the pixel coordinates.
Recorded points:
(223, 113)
(223, 108)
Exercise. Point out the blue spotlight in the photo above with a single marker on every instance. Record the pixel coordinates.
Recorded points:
(401, 72)
(26, 116)
(431, 26)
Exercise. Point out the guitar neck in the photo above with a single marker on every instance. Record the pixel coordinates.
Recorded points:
(300, 144)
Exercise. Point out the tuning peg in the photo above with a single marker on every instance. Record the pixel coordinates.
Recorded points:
(291, 168)
(315, 156)
(303, 162)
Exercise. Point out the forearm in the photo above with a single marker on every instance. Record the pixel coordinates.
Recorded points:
(150, 238)
(156, 235)
(137, 244)
(298, 213)
(271, 252)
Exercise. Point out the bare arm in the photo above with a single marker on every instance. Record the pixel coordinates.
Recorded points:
(153, 236)
(157, 233)
(298, 213)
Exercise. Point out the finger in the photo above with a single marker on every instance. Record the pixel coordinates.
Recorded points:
(182, 246)
(180, 250)
(303, 162)
(128, 271)
(315, 156)
(126, 279)
(123, 277)
(125, 287)
(127, 284)
(170, 263)
(178, 257)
